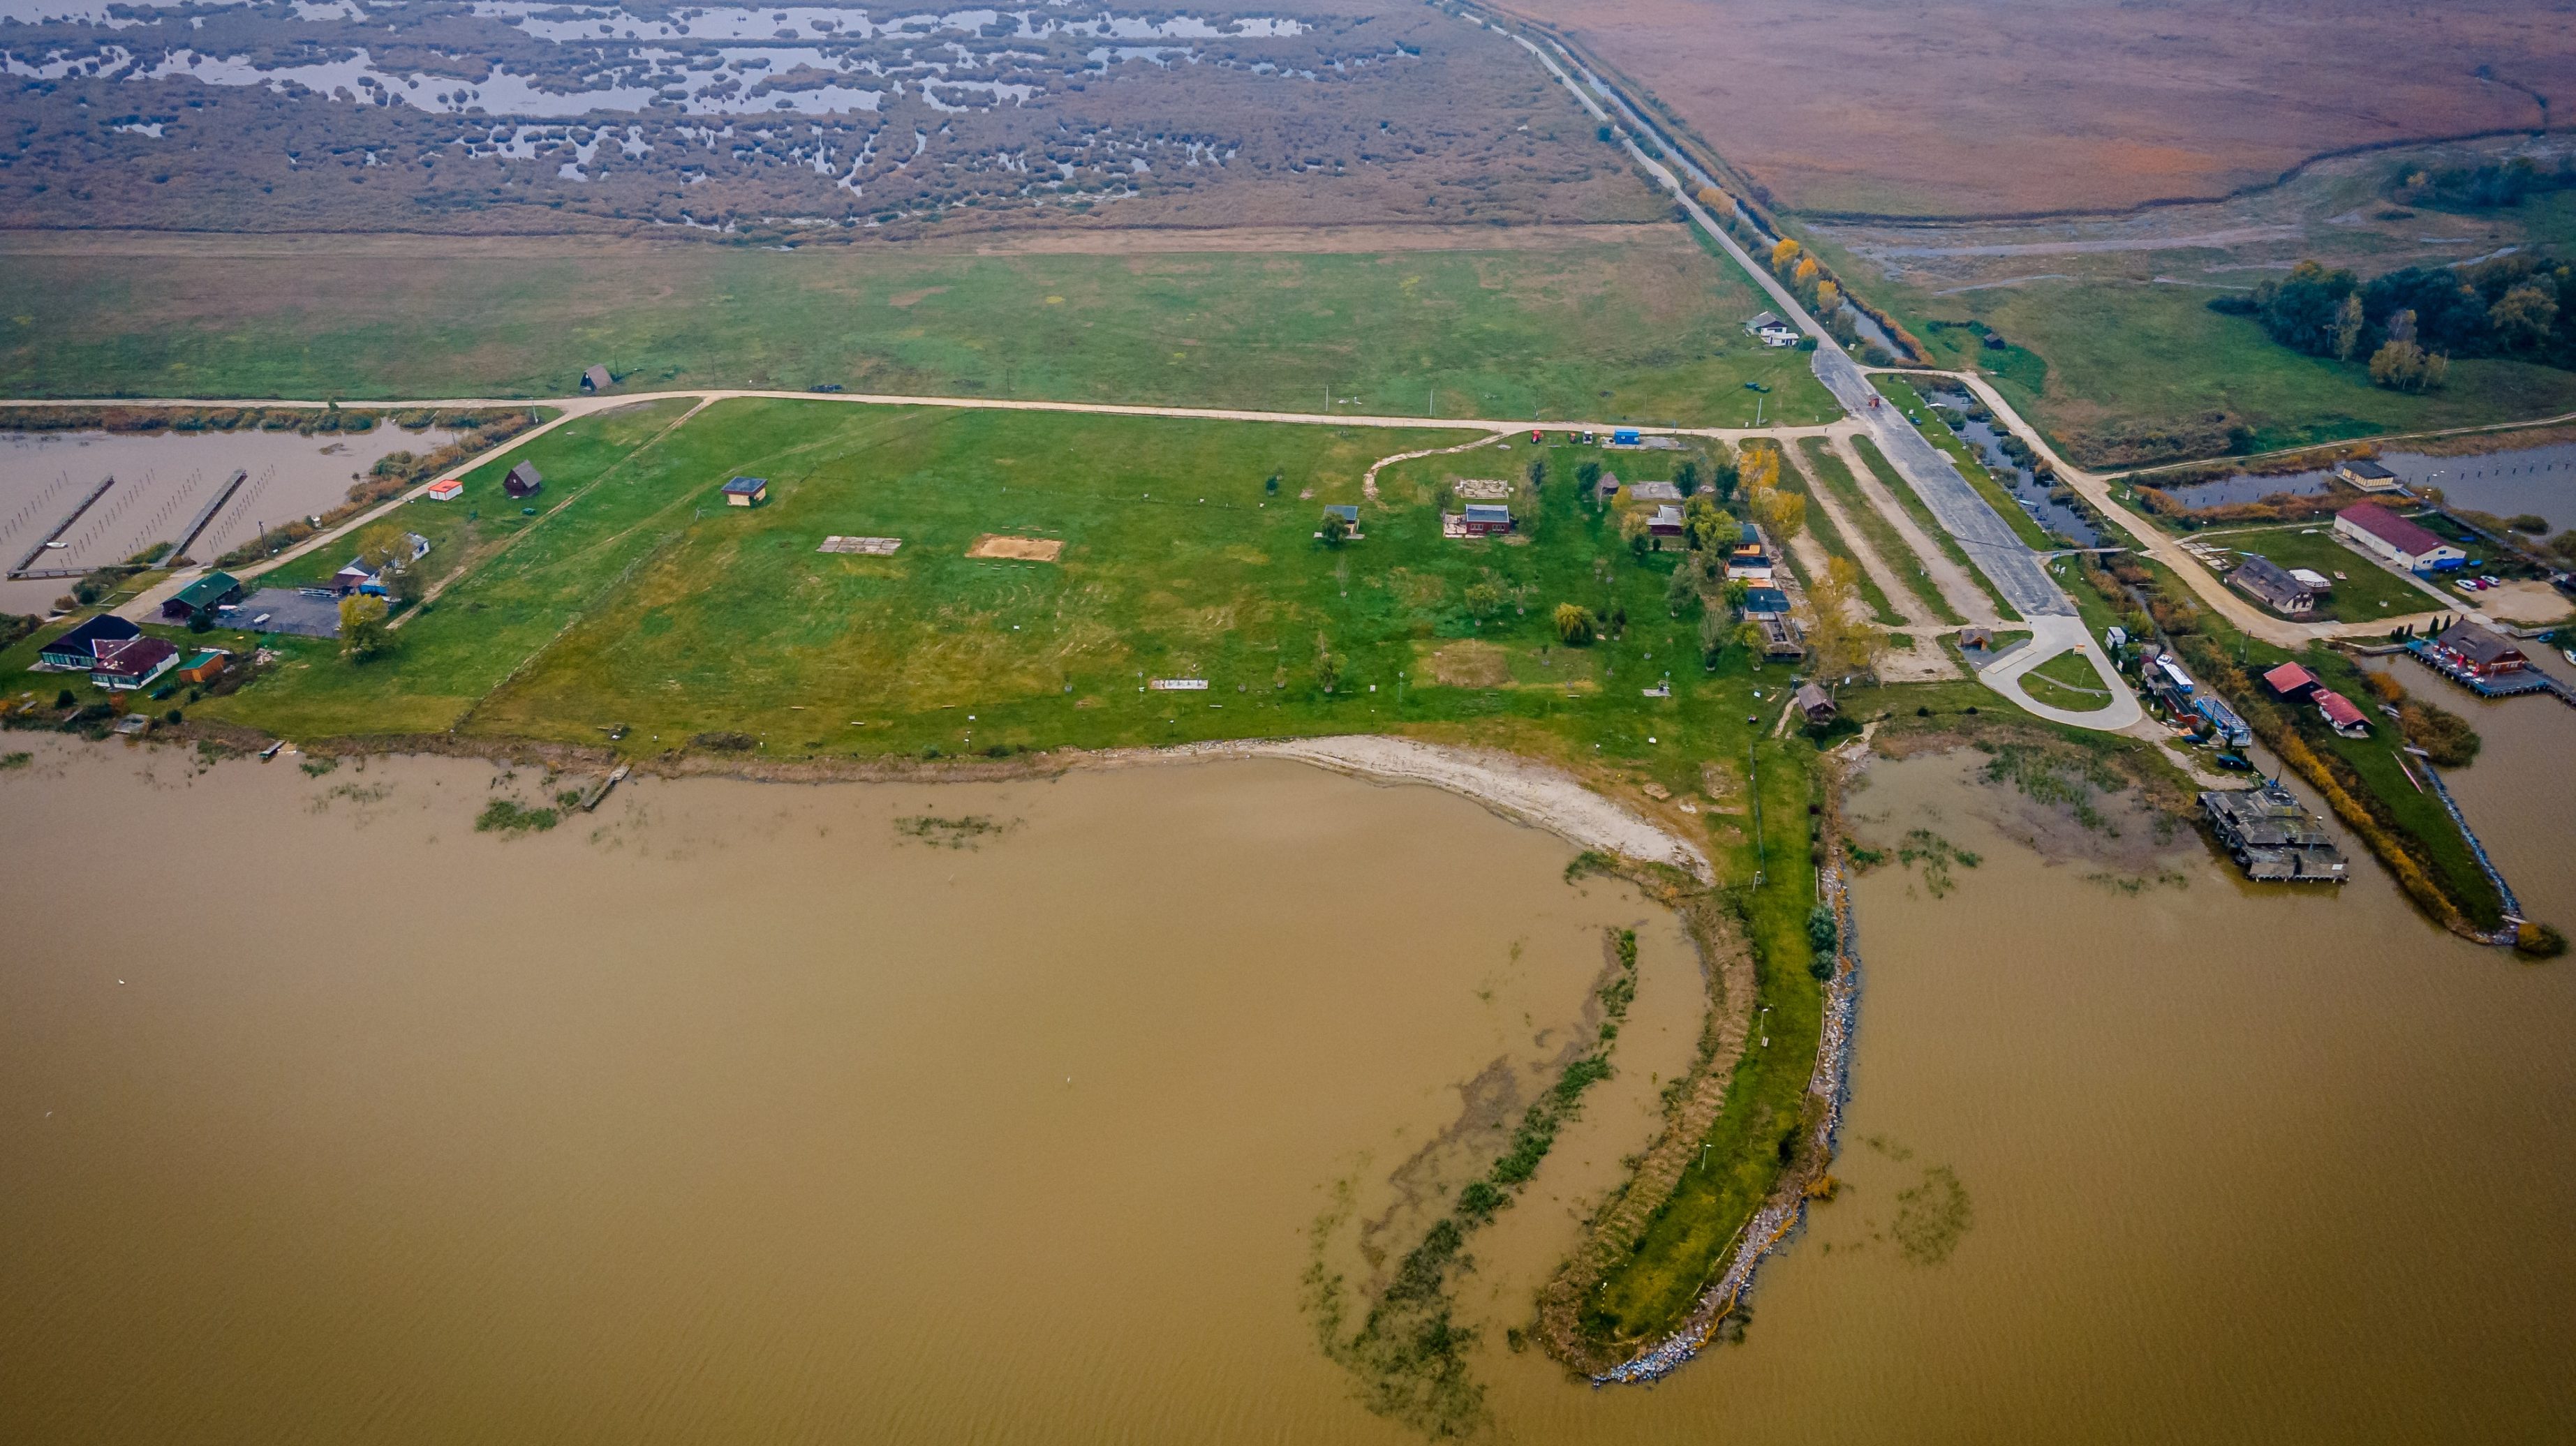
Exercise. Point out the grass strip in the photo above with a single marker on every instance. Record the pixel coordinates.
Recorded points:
(1821, 523)
(1830, 473)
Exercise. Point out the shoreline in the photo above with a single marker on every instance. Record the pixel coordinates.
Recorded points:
(1828, 1085)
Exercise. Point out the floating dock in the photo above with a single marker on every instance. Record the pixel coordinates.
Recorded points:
(223, 495)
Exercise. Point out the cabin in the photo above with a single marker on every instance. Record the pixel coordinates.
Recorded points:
(122, 667)
(1770, 330)
(2269, 584)
(447, 489)
(358, 577)
(2391, 538)
(2289, 681)
(2114, 638)
(746, 491)
(2366, 475)
(77, 651)
(2478, 652)
(1609, 488)
(2341, 714)
(1349, 513)
(1484, 519)
(1764, 602)
(523, 481)
(1750, 557)
(597, 379)
(197, 602)
(1813, 704)
(205, 665)
(1665, 521)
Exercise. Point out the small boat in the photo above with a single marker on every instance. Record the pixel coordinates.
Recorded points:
(270, 751)
(2568, 653)
(2235, 762)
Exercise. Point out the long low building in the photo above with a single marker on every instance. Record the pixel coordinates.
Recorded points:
(2385, 535)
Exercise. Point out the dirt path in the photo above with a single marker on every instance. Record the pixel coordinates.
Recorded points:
(1900, 598)
(1368, 479)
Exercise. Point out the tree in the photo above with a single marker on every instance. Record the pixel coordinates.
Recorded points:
(1736, 591)
(1682, 594)
(1484, 599)
(1686, 477)
(1634, 529)
(2402, 366)
(1587, 476)
(1708, 525)
(1538, 474)
(2347, 327)
(2522, 316)
(1829, 297)
(1784, 256)
(363, 633)
(1337, 530)
(1718, 201)
(1758, 466)
(1328, 669)
(1842, 642)
(1574, 624)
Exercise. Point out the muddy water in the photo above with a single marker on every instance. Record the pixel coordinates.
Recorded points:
(737, 1112)
(2238, 1164)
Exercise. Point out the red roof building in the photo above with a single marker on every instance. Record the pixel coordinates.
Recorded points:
(2340, 712)
(2376, 530)
(2289, 680)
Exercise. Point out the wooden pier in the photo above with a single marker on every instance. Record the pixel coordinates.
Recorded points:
(27, 568)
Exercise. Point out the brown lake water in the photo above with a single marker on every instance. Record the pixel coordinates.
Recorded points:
(735, 1113)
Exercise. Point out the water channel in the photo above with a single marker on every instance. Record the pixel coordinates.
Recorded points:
(742, 1111)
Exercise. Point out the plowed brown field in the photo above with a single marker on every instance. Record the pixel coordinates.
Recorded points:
(1980, 107)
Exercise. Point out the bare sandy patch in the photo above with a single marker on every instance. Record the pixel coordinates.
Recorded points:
(1018, 549)
(1470, 665)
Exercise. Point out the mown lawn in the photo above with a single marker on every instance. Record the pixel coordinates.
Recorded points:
(2363, 590)
(2125, 354)
(2067, 681)
(1624, 330)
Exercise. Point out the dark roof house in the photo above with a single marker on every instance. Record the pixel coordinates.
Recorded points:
(523, 481)
(2266, 582)
(2480, 651)
(597, 379)
(77, 650)
(1814, 703)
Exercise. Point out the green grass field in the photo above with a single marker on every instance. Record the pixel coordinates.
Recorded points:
(2067, 681)
(1641, 329)
(2125, 354)
(2363, 590)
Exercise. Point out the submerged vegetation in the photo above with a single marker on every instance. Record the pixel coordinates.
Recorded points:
(1408, 1355)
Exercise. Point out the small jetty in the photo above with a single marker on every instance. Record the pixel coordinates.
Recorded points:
(2272, 836)
(599, 790)
(27, 568)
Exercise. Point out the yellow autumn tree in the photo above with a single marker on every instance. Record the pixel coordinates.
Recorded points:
(1718, 201)
(1784, 256)
(1829, 297)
